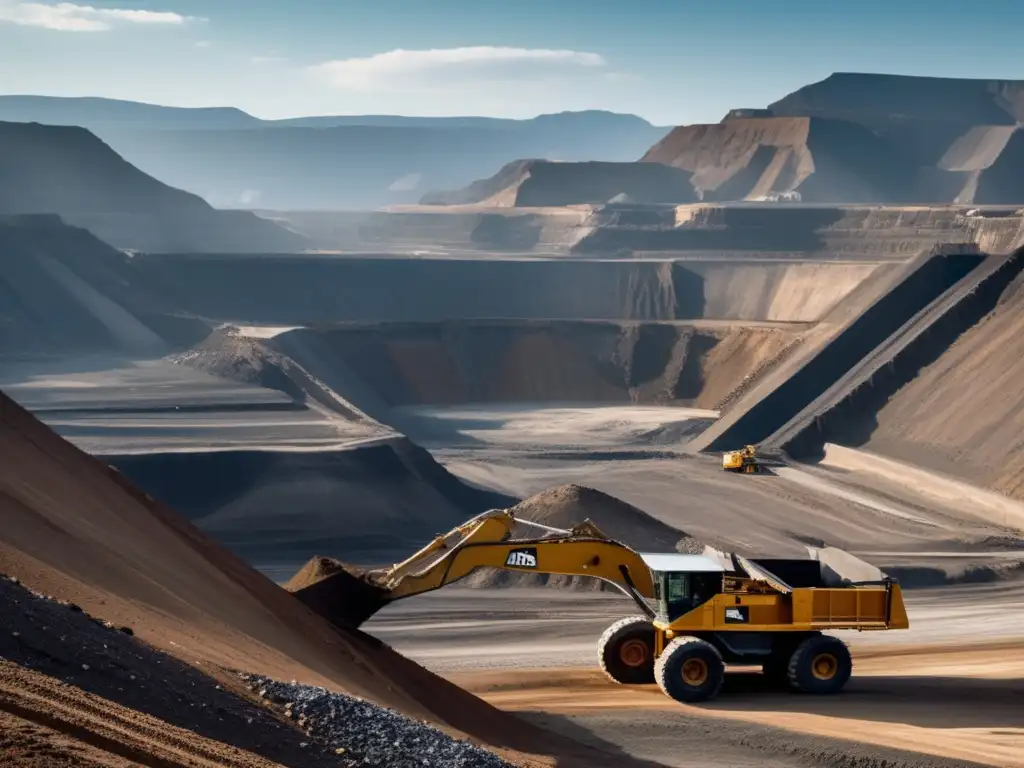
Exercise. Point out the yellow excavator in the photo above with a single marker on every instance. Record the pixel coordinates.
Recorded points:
(744, 460)
(698, 613)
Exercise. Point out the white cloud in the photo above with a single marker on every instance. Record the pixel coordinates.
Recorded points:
(71, 17)
(267, 59)
(406, 183)
(202, 44)
(445, 67)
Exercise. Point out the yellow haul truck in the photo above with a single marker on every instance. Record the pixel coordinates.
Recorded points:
(697, 612)
(744, 460)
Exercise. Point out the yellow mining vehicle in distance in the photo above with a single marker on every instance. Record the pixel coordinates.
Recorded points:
(698, 613)
(744, 460)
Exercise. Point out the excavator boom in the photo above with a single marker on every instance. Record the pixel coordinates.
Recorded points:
(486, 542)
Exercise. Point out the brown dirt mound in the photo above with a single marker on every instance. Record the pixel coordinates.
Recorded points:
(340, 593)
(317, 569)
(75, 529)
(569, 505)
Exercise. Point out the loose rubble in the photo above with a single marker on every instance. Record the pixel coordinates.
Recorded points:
(369, 734)
(59, 639)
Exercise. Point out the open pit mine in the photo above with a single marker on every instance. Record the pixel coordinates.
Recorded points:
(441, 481)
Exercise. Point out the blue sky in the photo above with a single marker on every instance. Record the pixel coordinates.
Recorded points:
(670, 61)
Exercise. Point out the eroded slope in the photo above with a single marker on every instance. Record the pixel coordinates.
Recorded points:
(963, 413)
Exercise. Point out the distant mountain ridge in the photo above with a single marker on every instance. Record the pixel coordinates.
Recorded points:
(850, 138)
(234, 160)
(95, 111)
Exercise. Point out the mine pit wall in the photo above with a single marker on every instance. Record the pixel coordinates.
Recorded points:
(303, 289)
(767, 230)
(811, 230)
(521, 229)
(377, 367)
(951, 403)
(923, 280)
(997, 234)
(783, 292)
(846, 415)
(818, 231)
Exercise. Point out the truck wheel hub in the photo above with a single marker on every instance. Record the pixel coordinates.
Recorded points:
(825, 666)
(695, 672)
(633, 653)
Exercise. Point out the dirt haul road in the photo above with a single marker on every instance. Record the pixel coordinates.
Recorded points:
(948, 692)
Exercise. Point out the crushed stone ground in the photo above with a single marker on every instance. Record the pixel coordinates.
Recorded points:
(368, 733)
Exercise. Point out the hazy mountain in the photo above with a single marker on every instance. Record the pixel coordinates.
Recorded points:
(561, 121)
(851, 138)
(233, 159)
(962, 135)
(97, 114)
(871, 99)
(66, 170)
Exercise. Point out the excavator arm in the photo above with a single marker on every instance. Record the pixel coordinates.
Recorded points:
(487, 542)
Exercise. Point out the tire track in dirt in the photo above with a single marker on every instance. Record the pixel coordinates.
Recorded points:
(27, 744)
(111, 728)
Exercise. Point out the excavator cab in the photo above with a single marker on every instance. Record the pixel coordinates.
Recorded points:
(682, 583)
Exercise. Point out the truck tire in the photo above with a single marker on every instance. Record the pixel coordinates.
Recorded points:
(626, 651)
(820, 665)
(690, 670)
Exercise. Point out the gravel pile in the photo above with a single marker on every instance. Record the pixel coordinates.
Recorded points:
(61, 640)
(369, 734)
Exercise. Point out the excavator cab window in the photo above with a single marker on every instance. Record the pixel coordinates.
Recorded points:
(679, 593)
